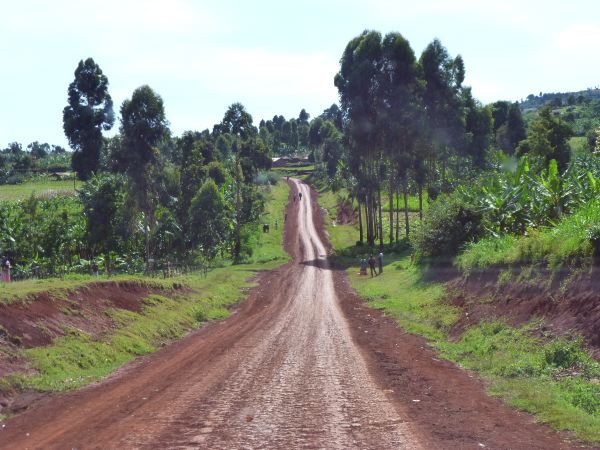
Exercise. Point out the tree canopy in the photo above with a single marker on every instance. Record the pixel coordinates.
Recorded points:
(88, 113)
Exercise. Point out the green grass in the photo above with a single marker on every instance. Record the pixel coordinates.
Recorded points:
(267, 246)
(553, 378)
(413, 203)
(568, 243)
(20, 291)
(416, 305)
(13, 192)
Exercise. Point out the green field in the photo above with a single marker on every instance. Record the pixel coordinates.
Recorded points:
(13, 192)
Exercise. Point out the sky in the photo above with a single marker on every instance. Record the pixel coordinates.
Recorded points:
(274, 56)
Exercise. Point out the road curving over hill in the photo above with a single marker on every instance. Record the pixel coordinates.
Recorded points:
(300, 364)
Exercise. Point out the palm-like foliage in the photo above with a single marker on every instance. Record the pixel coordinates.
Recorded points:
(516, 200)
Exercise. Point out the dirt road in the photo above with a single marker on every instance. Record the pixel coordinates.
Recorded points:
(301, 364)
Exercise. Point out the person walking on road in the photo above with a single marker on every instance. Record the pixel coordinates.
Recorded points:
(372, 265)
(299, 195)
(380, 262)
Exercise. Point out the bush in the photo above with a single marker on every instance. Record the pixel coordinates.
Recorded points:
(594, 238)
(574, 241)
(448, 225)
(273, 177)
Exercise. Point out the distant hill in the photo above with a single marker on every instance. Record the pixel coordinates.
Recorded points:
(579, 109)
(560, 99)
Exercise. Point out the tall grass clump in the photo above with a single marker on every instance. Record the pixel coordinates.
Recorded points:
(574, 241)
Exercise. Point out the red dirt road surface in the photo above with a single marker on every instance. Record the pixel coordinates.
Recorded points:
(301, 364)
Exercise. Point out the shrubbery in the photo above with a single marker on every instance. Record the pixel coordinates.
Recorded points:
(450, 223)
(573, 240)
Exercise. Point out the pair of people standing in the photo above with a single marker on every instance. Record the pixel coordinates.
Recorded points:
(371, 263)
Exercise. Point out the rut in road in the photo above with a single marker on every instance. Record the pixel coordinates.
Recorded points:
(283, 372)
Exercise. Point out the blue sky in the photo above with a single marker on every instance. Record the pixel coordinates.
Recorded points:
(276, 57)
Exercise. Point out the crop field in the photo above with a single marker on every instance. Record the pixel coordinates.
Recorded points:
(40, 188)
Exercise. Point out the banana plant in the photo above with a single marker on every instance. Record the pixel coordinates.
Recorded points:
(505, 199)
(556, 195)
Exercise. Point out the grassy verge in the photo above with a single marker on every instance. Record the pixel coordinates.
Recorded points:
(12, 192)
(77, 358)
(553, 378)
(21, 291)
(268, 246)
(570, 242)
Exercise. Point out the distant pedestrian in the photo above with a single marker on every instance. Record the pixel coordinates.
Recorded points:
(372, 265)
(5, 270)
(363, 266)
(299, 195)
(285, 217)
(380, 262)
(95, 269)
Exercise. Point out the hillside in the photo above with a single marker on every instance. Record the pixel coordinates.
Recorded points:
(566, 98)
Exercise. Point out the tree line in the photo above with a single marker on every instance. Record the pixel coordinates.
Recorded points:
(18, 163)
(411, 125)
(148, 197)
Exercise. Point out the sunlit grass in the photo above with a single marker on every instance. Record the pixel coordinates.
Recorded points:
(12, 192)
(569, 242)
(553, 378)
(268, 246)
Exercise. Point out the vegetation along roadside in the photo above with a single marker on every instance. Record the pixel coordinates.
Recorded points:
(81, 328)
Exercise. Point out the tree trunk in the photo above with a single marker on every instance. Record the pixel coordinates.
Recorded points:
(360, 225)
(107, 263)
(375, 223)
(147, 239)
(444, 168)
(237, 246)
(371, 220)
(405, 194)
(420, 202)
(391, 194)
(380, 217)
(397, 208)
